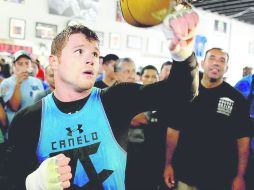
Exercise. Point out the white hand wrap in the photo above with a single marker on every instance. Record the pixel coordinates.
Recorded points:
(45, 177)
(180, 28)
(182, 53)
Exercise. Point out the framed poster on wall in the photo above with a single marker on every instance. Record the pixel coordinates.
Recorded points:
(134, 42)
(17, 28)
(114, 41)
(45, 31)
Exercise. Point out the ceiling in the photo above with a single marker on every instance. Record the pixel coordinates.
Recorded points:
(242, 10)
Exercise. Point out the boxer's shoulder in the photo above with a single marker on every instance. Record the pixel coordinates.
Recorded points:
(33, 111)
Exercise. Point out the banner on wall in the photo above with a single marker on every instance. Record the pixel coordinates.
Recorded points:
(11, 48)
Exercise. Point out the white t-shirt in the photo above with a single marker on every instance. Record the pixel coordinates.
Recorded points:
(28, 90)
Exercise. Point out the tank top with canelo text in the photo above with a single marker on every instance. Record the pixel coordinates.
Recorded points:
(97, 160)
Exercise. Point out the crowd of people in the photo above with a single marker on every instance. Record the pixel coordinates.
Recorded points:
(71, 124)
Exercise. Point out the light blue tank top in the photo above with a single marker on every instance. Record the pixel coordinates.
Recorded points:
(97, 160)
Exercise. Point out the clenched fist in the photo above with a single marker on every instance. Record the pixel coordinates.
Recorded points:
(53, 174)
(182, 24)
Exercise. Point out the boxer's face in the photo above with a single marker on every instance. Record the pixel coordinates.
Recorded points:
(77, 66)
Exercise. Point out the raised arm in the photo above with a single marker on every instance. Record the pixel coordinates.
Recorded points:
(14, 102)
(181, 85)
(12, 94)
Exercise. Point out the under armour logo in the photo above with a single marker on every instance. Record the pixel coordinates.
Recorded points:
(70, 131)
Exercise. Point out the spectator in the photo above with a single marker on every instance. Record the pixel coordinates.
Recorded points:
(100, 75)
(50, 81)
(108, 66)
(145, 144)
(165, 70)
(246, 87)
(125, 70)
(40, 74)
(247, 71)
(5, 71)
(213, 146)
(18, 91)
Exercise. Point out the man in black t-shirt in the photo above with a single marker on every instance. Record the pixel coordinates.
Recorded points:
(77, 136)
(212, 142)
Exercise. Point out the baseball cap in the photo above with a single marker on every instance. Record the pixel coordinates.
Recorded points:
(21, 53)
